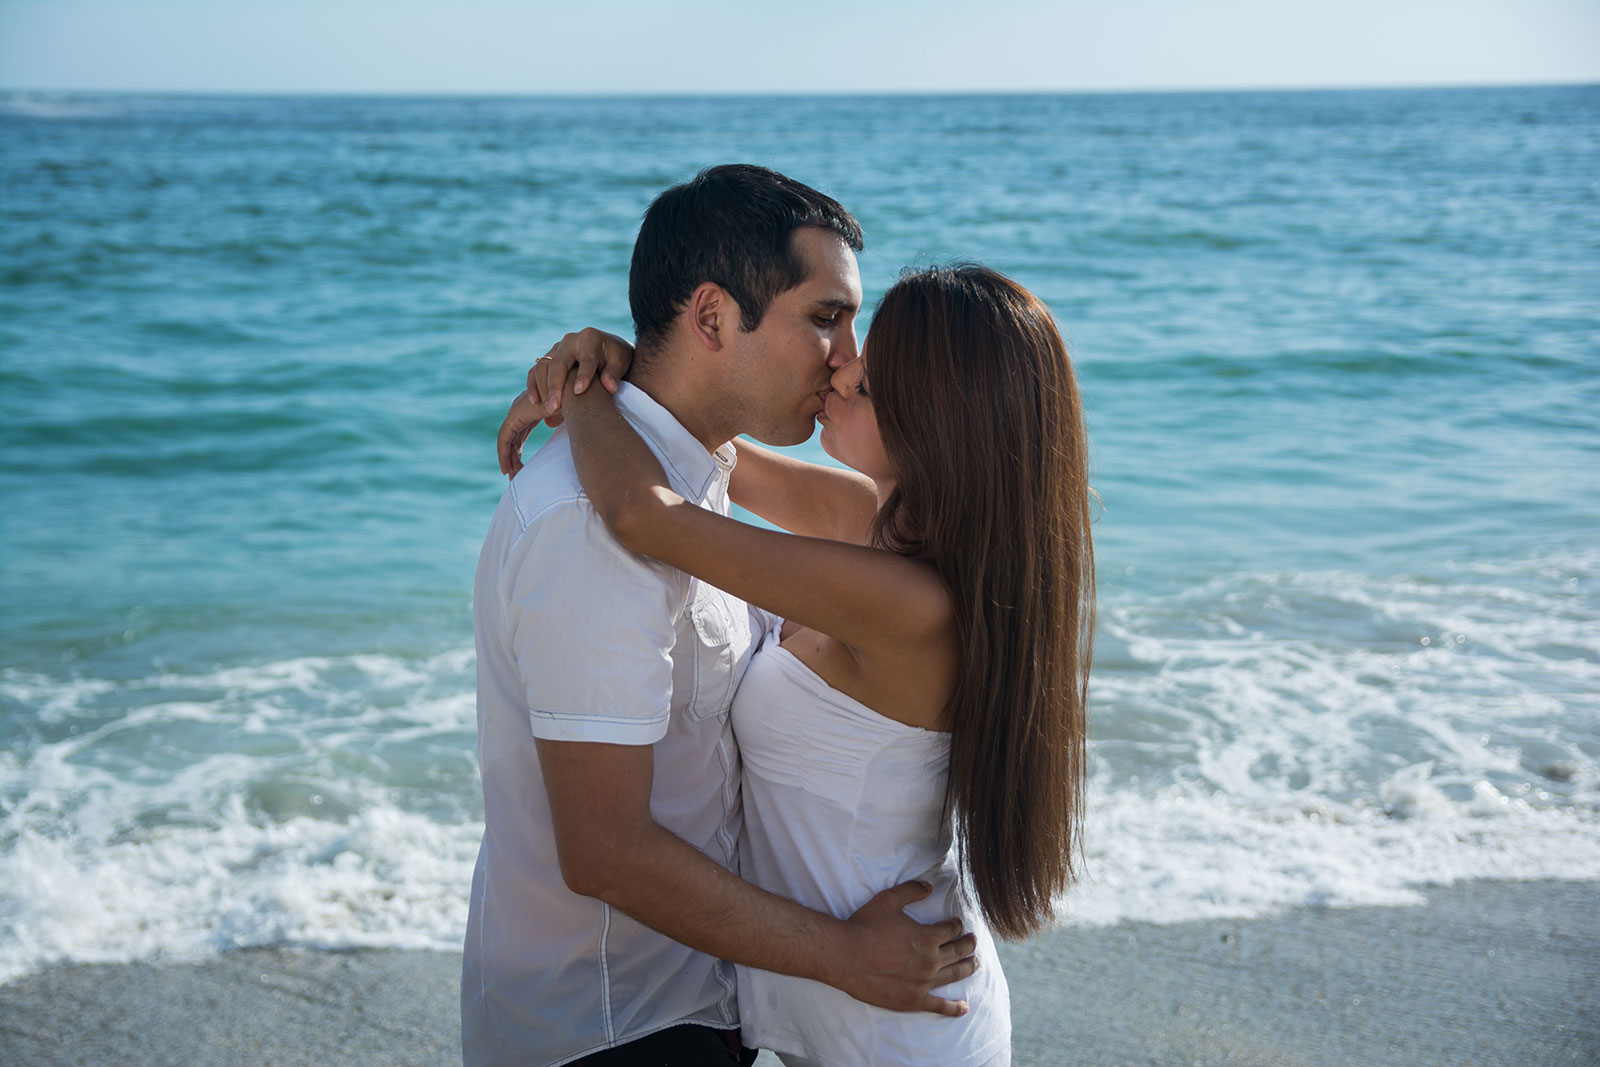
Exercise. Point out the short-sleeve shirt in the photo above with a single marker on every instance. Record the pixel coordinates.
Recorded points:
(580, 640)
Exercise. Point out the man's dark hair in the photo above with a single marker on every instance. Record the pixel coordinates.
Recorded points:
(731, 225)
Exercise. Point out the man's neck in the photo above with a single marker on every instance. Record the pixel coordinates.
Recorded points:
(683, 399)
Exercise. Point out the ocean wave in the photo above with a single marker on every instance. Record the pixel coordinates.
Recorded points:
(319, 801)
(57, 107)
(385, 878)
(1181, 854)
(1267, 739)
(1260, 741)
(1326, 683)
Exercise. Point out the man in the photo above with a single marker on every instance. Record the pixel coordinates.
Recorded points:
(603, 912)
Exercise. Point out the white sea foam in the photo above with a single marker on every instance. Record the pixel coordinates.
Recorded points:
(1271, 740)
(1183, 854)
(58, 106)
(319, 801)
(384, 878)
(1260, 741)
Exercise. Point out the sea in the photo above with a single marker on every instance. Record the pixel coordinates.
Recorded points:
(1341, 359)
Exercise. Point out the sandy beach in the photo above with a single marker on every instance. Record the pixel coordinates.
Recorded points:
(1484, 973)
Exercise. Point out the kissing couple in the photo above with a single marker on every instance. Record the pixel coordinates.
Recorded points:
(752, 789)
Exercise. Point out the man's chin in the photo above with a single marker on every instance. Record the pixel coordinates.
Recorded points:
(785, 436)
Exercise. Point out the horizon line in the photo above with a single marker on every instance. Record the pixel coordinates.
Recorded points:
(746, 93)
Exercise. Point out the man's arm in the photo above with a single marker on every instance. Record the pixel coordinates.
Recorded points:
(611, 848)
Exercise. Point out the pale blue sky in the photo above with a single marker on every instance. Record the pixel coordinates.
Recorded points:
(639, 46)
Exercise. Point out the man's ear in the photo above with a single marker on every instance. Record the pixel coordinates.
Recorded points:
(712, 314)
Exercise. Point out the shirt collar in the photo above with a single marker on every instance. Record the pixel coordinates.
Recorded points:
(686, 460)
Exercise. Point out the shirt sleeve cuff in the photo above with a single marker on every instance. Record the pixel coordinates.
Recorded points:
(613, 730)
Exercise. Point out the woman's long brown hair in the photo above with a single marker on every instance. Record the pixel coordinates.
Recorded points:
(982, 422)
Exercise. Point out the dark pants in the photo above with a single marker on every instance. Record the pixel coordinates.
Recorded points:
(676, 1046)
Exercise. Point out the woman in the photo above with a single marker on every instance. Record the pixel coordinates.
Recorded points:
(917, 709)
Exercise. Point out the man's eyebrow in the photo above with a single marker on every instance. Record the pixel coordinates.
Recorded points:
(837, 303)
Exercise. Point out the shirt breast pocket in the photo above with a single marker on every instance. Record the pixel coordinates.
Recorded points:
(721, 635)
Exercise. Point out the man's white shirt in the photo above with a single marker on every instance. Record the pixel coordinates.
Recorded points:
(580, 640)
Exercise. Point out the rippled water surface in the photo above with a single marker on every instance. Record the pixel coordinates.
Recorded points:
(1341, 353)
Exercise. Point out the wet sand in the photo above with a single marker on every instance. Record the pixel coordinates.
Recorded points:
(1484, 973)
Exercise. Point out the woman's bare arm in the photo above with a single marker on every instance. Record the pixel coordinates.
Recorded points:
(579, 356)
(863, 597)
(803, 498)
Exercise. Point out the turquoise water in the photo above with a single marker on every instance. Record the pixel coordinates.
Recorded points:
(1341, 354)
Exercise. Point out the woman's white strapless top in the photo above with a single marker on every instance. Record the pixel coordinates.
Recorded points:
(840, 803)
